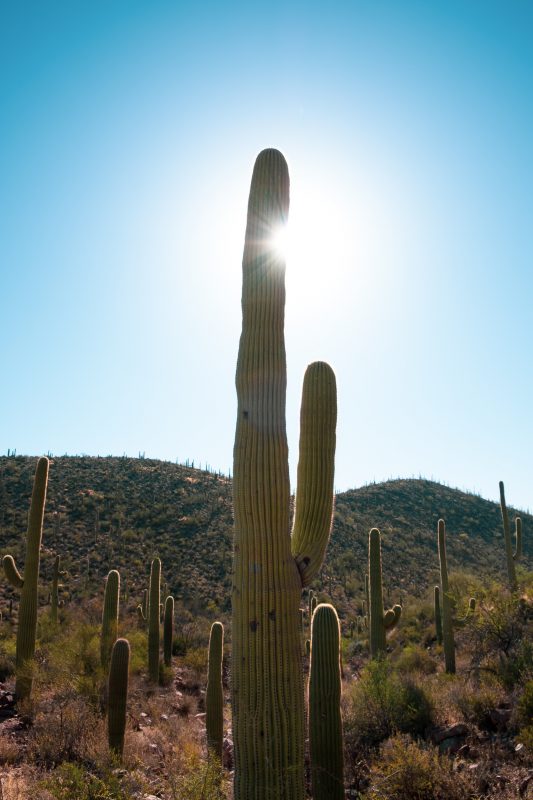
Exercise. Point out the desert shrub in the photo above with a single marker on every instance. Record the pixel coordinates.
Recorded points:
(500, 639)
(414, 658)
(196, 659)
(69, 730)
(383, 702)
(476, 703)
(524, 714)
(7, 666)
(74, 782)
(407, 770)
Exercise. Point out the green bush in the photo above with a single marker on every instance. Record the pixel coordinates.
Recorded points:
(73, 782)
(414, 658)
(383, 702)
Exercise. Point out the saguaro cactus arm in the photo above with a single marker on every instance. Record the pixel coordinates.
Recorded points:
(12, 574)
(316, 466)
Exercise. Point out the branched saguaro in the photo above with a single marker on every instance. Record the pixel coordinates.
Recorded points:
(27, 622)
(270, 567)
(380, 621)
(511, 557)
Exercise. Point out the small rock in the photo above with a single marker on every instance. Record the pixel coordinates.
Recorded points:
(473, 767)
(199, 716)
(164, 717)
(519, 748)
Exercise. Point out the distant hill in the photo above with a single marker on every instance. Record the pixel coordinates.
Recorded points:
(110, 512)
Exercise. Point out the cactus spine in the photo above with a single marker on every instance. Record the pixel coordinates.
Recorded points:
(511, 557)
(27, 622)
(325, 725)
(168, 630)
(54, 600)
(380, 621)
(153, 621)
(109, 630)
(270, 566)
(214, 699)
(438, 616)
(118, 695)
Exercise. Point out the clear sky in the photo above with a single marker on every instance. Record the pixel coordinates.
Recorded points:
(128, 132)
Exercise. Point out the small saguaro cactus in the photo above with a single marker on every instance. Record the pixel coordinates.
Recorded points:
(27, 620)
(270, 566)
(511, 557)
(214, 698)
(380, 621)
(438, 617)
(117, 693)
(168, 630)
(109, 630)
(153, 621)
(325, 724)
(55, 602)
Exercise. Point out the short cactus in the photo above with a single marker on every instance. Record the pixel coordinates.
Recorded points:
(511, 557)
(27, 620)
(325, 725)
(109, 631)
(270, 566)
(153, 621)
(117, 694)
(380, 621)
(214, 698)
(168, 631)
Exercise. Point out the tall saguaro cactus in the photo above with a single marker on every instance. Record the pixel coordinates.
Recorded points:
(109, 631)
(27, 624)
(380, 621)
(153, 621)
(325, 725)
(118, 695)
(446, 602)
(511, 557)
(214, 698)
(447, 605)
(270, 567)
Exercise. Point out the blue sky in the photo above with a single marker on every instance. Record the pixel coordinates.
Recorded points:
(128, 132)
